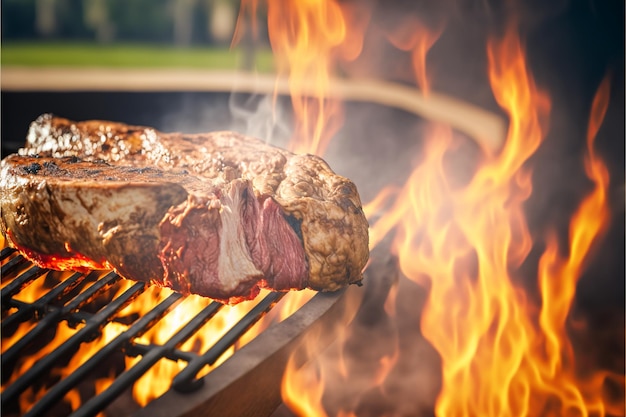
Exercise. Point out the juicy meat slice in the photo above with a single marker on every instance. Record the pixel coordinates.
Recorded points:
(282, 249)
(216, 214)
(190, 245)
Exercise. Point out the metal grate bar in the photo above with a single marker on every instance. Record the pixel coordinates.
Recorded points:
(6, 252)
(18, 284)
(139, 327)
(91, 328)
(12, 265)
(129, 376)
(57, 315)
(70, 301)
(39, 306)
(186, 380)
(140, 349)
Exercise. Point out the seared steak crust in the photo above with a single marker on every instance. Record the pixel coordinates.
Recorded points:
(73, 210)
(216, 214)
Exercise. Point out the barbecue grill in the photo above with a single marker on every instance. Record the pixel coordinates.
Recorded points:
(259, 364)
(70, 299)
(247, 383)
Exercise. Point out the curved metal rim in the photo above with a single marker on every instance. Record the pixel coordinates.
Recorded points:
(485, 127)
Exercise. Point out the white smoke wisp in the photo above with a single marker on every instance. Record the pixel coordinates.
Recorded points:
(260, 116)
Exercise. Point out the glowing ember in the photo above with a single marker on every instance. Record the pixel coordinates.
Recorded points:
(72, 261)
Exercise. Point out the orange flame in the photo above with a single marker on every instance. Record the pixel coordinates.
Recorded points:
(303, 36)
(483, 340)
(303, 387)
(503, 352)
(157, 379)
(558, 278)
(308, 39)
(64, 331)
(415, 37)
(247, 9)
(302, 390)
(466, 245)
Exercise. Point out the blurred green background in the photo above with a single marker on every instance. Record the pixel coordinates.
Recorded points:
(128, 33)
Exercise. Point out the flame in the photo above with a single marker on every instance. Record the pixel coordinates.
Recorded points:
(466, 244)
(558, 277)
(504, 351)
(306, 60)
(303, 36)
(302, 390)
(64, 331)
(157, 379)
(415, 37)
(309, 38)
(250, 9)
(474, 238)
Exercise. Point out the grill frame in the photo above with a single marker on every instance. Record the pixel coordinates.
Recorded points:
(185, 387)
(248, 383)
(225, 391)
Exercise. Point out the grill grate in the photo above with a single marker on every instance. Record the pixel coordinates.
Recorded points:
(71, 300)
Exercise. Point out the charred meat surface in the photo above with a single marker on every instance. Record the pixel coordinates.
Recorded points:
(217, 214)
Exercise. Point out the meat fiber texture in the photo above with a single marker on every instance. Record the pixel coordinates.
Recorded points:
(218, 214)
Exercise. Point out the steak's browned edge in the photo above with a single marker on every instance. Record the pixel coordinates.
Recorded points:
(217, 214)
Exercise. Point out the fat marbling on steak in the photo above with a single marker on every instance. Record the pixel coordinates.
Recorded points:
(217, 214)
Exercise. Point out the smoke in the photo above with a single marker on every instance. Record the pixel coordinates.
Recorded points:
(377, 146)
(261, 116)
(393, 370)
(380, 364)
(257, 115)
(195, 113)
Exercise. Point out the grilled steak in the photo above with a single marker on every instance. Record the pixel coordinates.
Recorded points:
(217, 214)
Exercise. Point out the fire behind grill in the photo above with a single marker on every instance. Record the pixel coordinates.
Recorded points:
(72, 300)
